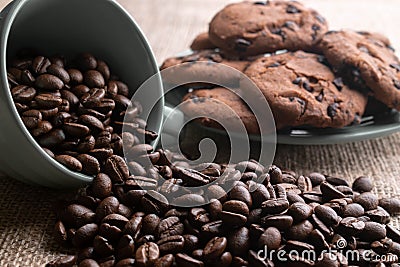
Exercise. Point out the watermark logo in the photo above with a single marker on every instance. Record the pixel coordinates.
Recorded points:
(338, 252)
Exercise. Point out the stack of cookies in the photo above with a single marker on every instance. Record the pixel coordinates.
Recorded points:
(310, 76)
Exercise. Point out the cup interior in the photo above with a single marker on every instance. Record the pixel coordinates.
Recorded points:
(101, 27)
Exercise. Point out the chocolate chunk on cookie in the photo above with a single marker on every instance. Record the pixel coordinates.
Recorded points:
(366, 60)
(252, 28)
(202, 42)
(302, 90)
(222, 104)
(209, 70)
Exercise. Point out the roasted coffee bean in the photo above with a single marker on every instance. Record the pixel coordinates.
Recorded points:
(69, 162)
(27, 77)
(43, 127)
(190, 177)
(362, 184)
(393, 233)
(102, 247)
(78, 215)
(271, 238)
(107, 206)
(351, 226)
(316, 178)
(86, 144)
(23, 93)
(147, 254)
(125, 263)
(327, 215)
(164, 261)
(318, 224)
(373, 231)
(189, 200)
(88, 263)
(212, 229)
(76, 76)
(65, 261)
(123, 89)
(60, 72)
(60, 233)
(186, 260)
(49, 82)
(117, 169)
(214, 248)
(379, 215)
(274, 206)
(86, 61)
(198, 217)
(259, 193)
(169, 226)
(171, 244)
(300, 211)
(336, 181)
(40, 64)
(103, 140)
(102, 154)
(239, 241)
(215, 208)
(134, 226)
(90, 165)
(72, 99)
(368, 200)
(282, 222)
(75, 129)
(300, 231)
(103, 68)
(150, 223)
(31, 118)
(391, 205)
(125, 247)
(110, 232)
(242, 194)
(92, 122)
(93, 79)
(85, 235)
(330, 192)
(116, 220)
(352, 210)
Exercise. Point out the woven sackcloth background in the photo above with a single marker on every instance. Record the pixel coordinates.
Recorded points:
(26, 220)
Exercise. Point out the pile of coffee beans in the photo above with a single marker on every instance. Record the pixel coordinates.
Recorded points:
(74, 110)
(118, 224)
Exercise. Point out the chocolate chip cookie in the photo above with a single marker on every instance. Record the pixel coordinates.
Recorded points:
(252, 28)
(205, 72)
(366, 60)
(302, 90)
(202, 42)
(221, 104)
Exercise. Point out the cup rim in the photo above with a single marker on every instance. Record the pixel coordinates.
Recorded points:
(7, 21)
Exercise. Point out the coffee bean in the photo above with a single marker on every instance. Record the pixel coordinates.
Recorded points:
(393, 233)
(60, 233)
(125, 263)
(379, 215)
(169, 226)
(134, 226)
(214, 248)
(110, 232)
(165, 261)
(31, 118)
(368, 200)
(185, 260)
(65, 261)
(92, 122)
(27, 77)
(93, 79)
(40, 64)
(78, 215)
(271, 238)
(336, 181)
(72, 99)
(242, 194)
(362, 184)
(300, 231)
(60, 72)
(282, 222)
(115, 220)
(171, 244)
(316, 178)
(198, 217)
(75, 129)
(117, 169)
(102, 247)
(69, 162)
(75, 75)
(391, 205)
(300, 211)
(150, 223)
(352, 210)
(107, 206)
(49, 82)
(327, 215)
(189, 200)
(90, 165)
(23, 93)
(125, 247)
(274, 206)
(351, 226)
(239, 241)
(330, 192)
(147, 254)
(373, 231)
(212, 229)
(85, 235)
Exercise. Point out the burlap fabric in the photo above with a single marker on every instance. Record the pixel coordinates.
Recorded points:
(26, 219)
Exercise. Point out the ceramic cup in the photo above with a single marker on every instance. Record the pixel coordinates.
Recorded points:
(101, 27)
